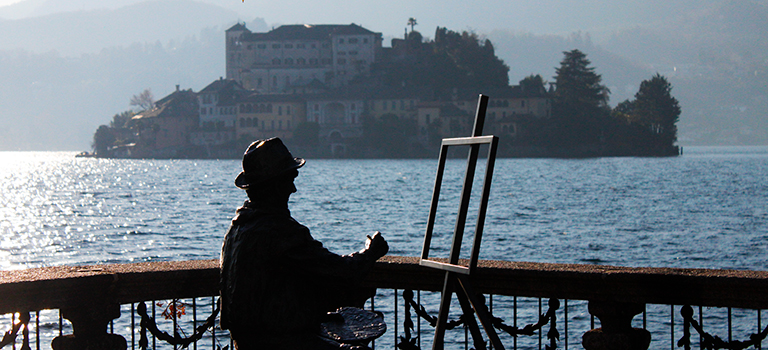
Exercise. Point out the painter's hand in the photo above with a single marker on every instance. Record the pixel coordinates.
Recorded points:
(376, 245)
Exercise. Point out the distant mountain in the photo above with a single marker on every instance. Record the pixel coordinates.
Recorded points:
(74, 33)
(717, 60)
(67, 66)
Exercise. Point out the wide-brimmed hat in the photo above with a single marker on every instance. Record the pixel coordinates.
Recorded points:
(264, 160)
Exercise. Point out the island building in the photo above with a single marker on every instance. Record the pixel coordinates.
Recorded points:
(293, 55)
(313, 86)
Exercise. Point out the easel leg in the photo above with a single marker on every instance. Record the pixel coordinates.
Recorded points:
(442, 315)
(481, 311)
(470, 322)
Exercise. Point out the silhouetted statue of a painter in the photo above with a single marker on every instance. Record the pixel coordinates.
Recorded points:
(277, 282)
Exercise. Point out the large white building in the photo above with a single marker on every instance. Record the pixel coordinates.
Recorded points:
(292, 56)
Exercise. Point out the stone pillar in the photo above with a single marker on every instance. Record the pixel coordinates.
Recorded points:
(89, 323)
(616, 332)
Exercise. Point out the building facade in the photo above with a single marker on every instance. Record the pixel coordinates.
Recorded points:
(292, 55)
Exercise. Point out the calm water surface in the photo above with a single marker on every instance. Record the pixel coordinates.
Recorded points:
(706, 209)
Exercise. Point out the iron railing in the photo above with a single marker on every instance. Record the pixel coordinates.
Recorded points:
(516, 292)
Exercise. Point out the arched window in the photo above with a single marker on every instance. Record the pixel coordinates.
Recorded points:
(242, 122)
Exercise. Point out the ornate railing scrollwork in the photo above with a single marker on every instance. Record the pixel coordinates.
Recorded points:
(10, 336)
(713, 342)
(148, 323)
(407, 342)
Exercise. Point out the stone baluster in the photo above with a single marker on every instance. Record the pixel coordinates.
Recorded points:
(89, 323)
(616, 332)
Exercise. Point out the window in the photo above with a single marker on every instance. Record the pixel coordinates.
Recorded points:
(203, 110)
(301, 46)
(289, 61)
(522, 103)
(262, 46)
(279, 110)
(249, 47)
(273, 125)
(327, 61)
(275, 46)
(353, 52)
(300, 61)
(288, 110)
(259, 82)
(288, 46)
(313, 61)
(342, 53)
(274, 81)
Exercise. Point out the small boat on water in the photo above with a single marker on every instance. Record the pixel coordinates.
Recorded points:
(85, 154)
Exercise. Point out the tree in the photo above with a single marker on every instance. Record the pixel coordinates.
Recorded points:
(577, 84)
(412, 22)
(580, 106)
(449, 61)
(144, 100)
(533, 84)
(121, 120)
(102, 140)
(656, 109)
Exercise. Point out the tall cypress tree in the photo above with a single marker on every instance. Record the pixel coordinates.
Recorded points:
(580, 102)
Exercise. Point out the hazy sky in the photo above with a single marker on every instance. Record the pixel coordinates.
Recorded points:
(390, 17)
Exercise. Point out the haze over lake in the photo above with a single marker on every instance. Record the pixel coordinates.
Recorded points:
(68, 66)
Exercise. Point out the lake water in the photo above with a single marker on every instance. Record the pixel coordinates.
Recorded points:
(706, 209)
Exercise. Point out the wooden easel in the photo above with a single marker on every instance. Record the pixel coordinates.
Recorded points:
(458, 277)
